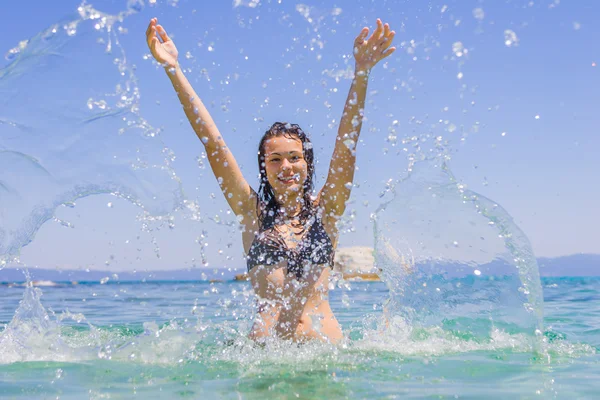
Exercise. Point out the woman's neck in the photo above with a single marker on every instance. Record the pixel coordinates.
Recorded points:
(289, 207)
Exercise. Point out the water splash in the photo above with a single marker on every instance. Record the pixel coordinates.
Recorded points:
(139, 172)
(453, 259)
(216, 335)
(74, 138)
(34, 335)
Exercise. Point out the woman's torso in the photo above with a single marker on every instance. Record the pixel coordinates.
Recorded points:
(316, 309)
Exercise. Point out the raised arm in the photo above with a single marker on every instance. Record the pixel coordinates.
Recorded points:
(239, 195)
(367, 53)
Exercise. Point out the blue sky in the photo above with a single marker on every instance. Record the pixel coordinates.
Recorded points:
(265, 63)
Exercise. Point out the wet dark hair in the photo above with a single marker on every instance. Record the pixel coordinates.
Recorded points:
(269, 206)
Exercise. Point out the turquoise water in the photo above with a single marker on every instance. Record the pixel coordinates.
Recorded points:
(442, 328)
(186, 340)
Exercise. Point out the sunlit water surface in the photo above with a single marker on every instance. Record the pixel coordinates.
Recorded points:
(461, 315)
(187, 339)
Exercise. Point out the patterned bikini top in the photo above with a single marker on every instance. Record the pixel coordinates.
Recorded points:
(314, 247)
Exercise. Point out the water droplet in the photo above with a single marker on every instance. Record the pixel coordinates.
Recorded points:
(12, 53)
(345, 300)
(510, 38)
(478, 14)
(458, 49)
(71, 28)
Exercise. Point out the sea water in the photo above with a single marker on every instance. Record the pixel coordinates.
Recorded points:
(187, 340)
(447, 329)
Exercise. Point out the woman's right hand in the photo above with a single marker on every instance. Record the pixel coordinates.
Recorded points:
(161, 46)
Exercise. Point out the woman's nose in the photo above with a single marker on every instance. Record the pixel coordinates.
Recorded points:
(285, 165)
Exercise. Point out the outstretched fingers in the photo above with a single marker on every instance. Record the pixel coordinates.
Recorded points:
(151, 32)
(378, 31)
(369, 50)
(362, 36)
(386, 30)
(153, 45)
(388, 52)
(162, 33)
(150, 24)
(387, 40)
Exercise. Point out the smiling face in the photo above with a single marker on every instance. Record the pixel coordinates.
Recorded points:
(285, 166)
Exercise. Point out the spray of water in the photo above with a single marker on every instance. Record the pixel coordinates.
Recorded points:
(454, 260)
(461, 275)
(75, 138)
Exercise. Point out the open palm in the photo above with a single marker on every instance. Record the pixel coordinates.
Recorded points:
(368, 52)
(161, 46)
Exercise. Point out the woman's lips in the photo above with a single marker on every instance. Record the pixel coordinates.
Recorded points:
(289, 179)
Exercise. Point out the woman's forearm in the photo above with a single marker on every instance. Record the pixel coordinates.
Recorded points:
(195, 110)
(352, 116)
(238, 193)
(343, 161)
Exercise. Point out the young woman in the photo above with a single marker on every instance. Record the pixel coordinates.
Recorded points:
(289, 236)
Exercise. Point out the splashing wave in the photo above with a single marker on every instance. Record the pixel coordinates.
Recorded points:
(64, 137)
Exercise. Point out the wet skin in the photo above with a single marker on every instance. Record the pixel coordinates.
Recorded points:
(288, 307)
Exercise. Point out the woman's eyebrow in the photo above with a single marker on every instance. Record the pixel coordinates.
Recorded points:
(279, 154)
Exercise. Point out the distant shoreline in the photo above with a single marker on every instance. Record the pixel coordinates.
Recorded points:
(578, 265)
(69, 284)
(56, 284)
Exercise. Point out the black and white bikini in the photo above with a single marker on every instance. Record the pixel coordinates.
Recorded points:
(314, 248)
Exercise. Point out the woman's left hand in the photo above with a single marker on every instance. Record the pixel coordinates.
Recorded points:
(368, 52)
